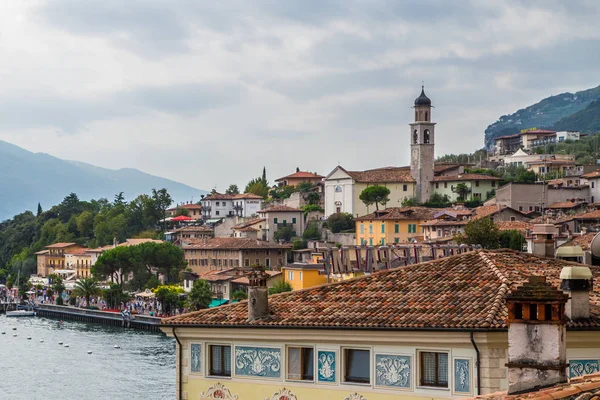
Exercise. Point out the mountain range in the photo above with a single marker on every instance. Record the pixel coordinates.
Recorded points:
(27, 178)
(567, 111)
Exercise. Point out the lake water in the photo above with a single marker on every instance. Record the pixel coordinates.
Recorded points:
(143, 368)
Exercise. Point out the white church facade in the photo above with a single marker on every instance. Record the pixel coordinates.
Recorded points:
(418, 181)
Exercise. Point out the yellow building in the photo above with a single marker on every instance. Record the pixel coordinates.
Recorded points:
(54, 259)
(304, 275)
(436, 330)
(392, 225)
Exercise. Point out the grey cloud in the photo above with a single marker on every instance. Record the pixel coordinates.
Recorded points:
(185, 99)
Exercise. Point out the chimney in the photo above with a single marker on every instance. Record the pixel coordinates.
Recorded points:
(577, 282)
(543, 241)
(537, 349)
(258, 295)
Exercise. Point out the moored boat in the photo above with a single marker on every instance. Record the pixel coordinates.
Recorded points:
(20, 313)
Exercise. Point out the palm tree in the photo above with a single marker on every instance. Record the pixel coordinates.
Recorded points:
(86, 287)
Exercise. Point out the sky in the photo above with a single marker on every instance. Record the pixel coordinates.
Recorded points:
(209, 92)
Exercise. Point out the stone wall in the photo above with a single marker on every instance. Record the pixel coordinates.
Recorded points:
(493, 369)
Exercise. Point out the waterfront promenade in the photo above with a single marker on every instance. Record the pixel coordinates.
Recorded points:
(141, 322)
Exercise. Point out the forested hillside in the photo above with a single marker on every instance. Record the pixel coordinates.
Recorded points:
(91, 223)
(584, 121)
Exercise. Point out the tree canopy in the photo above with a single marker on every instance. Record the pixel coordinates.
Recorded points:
(375, 195)
(200, 295)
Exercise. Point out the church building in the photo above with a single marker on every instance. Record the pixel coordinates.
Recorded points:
(419, 181)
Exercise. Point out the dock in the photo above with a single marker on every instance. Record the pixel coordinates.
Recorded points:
(140, 322)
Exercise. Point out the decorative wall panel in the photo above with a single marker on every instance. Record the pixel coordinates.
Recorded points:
(195, 358)
(393, 371)
(582, 367)
(326, 366)
(462, 375)
(258, 361)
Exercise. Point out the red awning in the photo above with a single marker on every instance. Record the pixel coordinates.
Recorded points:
(182, 218)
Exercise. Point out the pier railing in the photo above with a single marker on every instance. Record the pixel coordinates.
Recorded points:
(142, 322)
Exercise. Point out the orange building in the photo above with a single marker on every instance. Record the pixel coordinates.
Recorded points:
(298, 177)
(55, 257)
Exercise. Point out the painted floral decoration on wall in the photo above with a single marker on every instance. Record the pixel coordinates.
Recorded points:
(283, 394)
(218, 391)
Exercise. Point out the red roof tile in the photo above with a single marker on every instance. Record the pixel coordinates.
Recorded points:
(279, 209)
(247, 196)
(520, 226)
(383, 175)
(301, 175)
(60, 245)
(466, 177)
(592, 175)
(462, 292)
(565, 205)
(400, 213)
(583, 241)
(229, 243)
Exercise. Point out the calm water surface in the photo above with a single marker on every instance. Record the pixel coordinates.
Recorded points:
(144, 367)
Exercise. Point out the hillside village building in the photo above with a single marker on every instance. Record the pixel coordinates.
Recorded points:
(418, 181)
(299, 177)
(217, 206)
(450, 328)
(194, 210)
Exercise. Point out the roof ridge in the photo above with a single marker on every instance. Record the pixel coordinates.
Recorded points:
(502, 291)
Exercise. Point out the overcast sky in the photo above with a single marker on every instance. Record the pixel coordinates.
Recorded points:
(207, 92)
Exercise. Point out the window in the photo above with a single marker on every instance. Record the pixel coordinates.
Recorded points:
(397, 228)
(216, 213)
(247, 262)
(434, 369)
(284, 222)
(520, 208)
(513, 218)
(530, 208)
(293, 220)
(445, 185)
(437, 185)
(220, 360)
(290, 275)
(426, 135)
(300, 276)
(592, 184)
(268, 262)
(357, 366)
(383, 242)
(382, 228)
(396, 240)
(370, 228)
(412, 228)
(493, 183)
(362, 228)
(300, 364)
(274, 220)
(477, 195)
(405, 188)
(476, 183)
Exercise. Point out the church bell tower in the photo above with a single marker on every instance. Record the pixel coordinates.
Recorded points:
(422, 140)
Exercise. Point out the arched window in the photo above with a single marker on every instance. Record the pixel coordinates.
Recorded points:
(416, 115)
(426, 136)
(415, 137)
(426, 115)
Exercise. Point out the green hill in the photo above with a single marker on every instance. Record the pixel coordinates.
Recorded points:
(544, 114)
(584, 121)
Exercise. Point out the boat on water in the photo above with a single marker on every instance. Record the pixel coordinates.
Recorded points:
(21, 313)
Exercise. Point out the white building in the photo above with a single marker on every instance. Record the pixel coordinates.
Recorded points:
(217, 206)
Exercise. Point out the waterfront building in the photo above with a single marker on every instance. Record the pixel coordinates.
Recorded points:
(439, 329)
(418, 181)
(53, 257)
(217, 254)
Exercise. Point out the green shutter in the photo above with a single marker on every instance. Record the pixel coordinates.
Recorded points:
(397, 228)
(293, 220)
(383, 227)
(274, 220)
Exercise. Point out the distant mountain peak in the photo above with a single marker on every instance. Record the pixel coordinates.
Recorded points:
(27, 178)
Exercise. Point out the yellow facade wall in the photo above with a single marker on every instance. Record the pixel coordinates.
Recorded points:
(302, 279)
(256, 390)
(371, 232)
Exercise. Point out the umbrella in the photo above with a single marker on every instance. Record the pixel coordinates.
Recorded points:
(181, 218)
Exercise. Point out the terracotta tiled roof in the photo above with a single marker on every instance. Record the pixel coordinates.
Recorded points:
(466, 177)
(249, 223)
(247, 196)
(400, 213)
(520, 226)
(39, 253)
(383, 175)
(589, 215)
(592, 175)
(462, 292)
(279, 209)
(302, 175)
(219, 196)
(135, 242)
(565, 205)
(229, 243)
(486, 211)
(197, 228)
(190, 206)
(583, 241)
(77, 251)
(443, 222)
(60, 245)
(585, 386)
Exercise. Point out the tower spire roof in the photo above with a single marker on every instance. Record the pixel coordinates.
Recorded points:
(422, 100)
